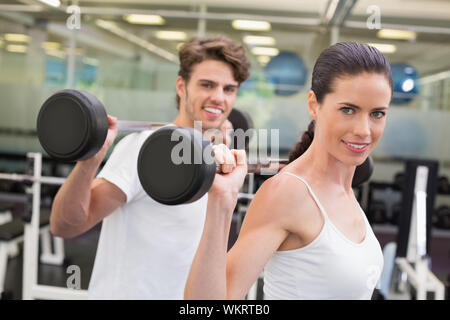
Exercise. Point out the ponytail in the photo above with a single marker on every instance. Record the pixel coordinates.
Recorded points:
(304, 142)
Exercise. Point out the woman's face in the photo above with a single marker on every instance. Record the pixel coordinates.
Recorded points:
(351, 119)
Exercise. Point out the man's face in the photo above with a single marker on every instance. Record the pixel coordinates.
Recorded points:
(209, 94)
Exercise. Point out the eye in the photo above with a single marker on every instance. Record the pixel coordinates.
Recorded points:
(347, 110)
(230, 89)
(207, 85)
(379, 115)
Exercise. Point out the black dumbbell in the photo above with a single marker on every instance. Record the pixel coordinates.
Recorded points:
(72, 125)
(242, 128)
(187, 178)
(363, 172)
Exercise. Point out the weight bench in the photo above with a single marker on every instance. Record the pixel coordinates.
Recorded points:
(12, 233)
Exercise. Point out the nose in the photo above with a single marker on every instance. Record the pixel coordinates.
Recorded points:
(361, 127)
(218, 96)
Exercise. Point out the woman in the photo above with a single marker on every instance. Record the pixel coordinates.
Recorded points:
(304, 226)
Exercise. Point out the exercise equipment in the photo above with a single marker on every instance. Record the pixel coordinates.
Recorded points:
(72, 125)
(242, 128)
(396, 212)
(29, 179)
(12, 234)
(33, 225)
(363, 172)
(443, 185)
(406, 83)
(287, 72)
(442, 217)
(177, 165)
(31, 289)
(413, 238)
(377, 212)
(399, 181)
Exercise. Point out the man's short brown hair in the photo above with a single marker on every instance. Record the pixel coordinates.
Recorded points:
(218, 48)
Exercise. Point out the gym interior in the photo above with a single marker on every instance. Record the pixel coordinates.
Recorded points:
(126, 54)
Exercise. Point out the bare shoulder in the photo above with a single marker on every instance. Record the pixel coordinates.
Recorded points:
(282, 196)
(284, 188)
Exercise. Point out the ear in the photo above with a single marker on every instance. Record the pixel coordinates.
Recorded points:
(313, 105)
(180, 86)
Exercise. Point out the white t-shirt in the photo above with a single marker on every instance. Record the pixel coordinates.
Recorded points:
(145, 248)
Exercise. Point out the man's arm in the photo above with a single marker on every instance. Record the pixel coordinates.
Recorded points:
(83, 201)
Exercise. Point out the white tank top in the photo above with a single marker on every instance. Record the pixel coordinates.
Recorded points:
(330, 267)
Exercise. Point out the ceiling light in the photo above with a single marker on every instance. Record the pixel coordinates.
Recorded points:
(265, 51)
(383, 47)
(251, 25)
(48, 45)
(55, 53)
(77, 51)
(171, 35)
(105, 24)
(19, 48)
(396, 34)
(408, 85)
(53, 3)
(16, 37)
(258, 40)
(144, 19)
(263, 59)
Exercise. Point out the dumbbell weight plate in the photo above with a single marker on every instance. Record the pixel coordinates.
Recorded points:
(363, 172)
(72, 125)
(240, 120)
(170, 183)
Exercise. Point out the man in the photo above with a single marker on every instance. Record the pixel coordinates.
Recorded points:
(145, 248)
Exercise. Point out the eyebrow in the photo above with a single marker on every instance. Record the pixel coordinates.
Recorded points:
(358, 107)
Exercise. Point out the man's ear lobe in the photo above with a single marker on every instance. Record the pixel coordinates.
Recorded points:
(180, 85)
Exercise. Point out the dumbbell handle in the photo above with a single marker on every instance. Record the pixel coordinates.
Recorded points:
(257, 167)
(134, 126)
